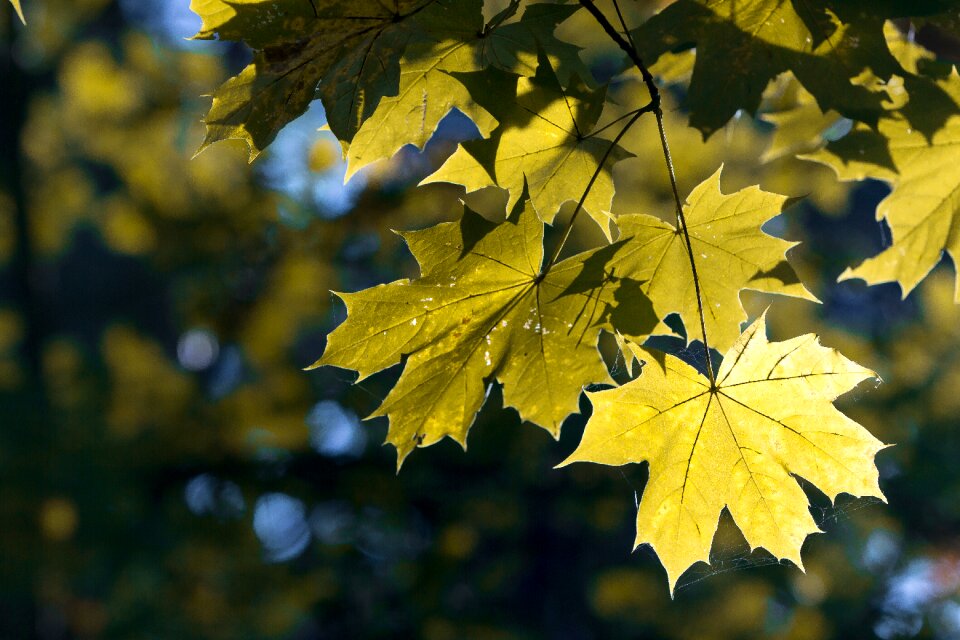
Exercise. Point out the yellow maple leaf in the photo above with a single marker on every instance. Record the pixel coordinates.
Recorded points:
(736, 444)
(731, 252)
(426, 95)
(545, 147)
(483, 308)
(922, 210)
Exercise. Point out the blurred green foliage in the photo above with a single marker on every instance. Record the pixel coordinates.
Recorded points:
(167, 469)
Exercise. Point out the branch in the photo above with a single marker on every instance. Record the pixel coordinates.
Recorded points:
(586, 192)
(654, 92)
(630, 50)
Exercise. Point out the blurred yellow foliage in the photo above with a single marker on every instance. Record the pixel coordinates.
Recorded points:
(54, 24)
(298, 289)
(63, 369)
(324, 154)
(124, 114)
(458, 541)
(58, 519)
(628, 593)
(93, 84)
(11, 333)
(147, 390)
(8, 233)
(125, 228)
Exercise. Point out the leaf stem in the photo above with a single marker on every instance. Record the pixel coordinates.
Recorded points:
(654, 92)
(600, 130)
(586, 192)
(682, 224)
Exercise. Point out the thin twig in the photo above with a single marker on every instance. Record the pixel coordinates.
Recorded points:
(626, 46)
(682, 224)
(600, 130)
(623, 23)
(586, 192)
(654, 92)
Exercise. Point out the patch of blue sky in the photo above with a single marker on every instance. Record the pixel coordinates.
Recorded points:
(169, 20)
(286, 169)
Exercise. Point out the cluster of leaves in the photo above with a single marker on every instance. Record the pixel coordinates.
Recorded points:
(492, 304)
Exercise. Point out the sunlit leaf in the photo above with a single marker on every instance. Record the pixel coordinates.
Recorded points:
(923, 208)
(731, 254)
(545, 143)
(428, 91)
(737, 445)
(427, 94)
(366, 60)
(347, 51)
(481, 310)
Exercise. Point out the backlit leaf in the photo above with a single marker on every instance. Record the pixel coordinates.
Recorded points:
(923, 210)
(730, 250)
(428, 92)
(514, 47)
(545, 143)
(347, 51)
(367, 60)
(738, 445)
(482, 311)
(800, 127)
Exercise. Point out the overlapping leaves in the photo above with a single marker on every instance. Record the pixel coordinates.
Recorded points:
(736, 444)
(488, 307)
(544, 144)
(381, 69)
(731, 251)
(835, 49)
(485, 308)
(351, 46)
(923, 210)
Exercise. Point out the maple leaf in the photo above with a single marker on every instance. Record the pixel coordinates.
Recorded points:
(427, 94)
(379, 69)
(19, 10)
(482, 309)
(348, 52)
(544, 144)
(515, 47)
(731, 251)
(734, 445)
(428, 91)
(431, 70)
(744, 44)
(923, 210)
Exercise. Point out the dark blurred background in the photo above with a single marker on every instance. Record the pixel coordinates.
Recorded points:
(167, 470)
